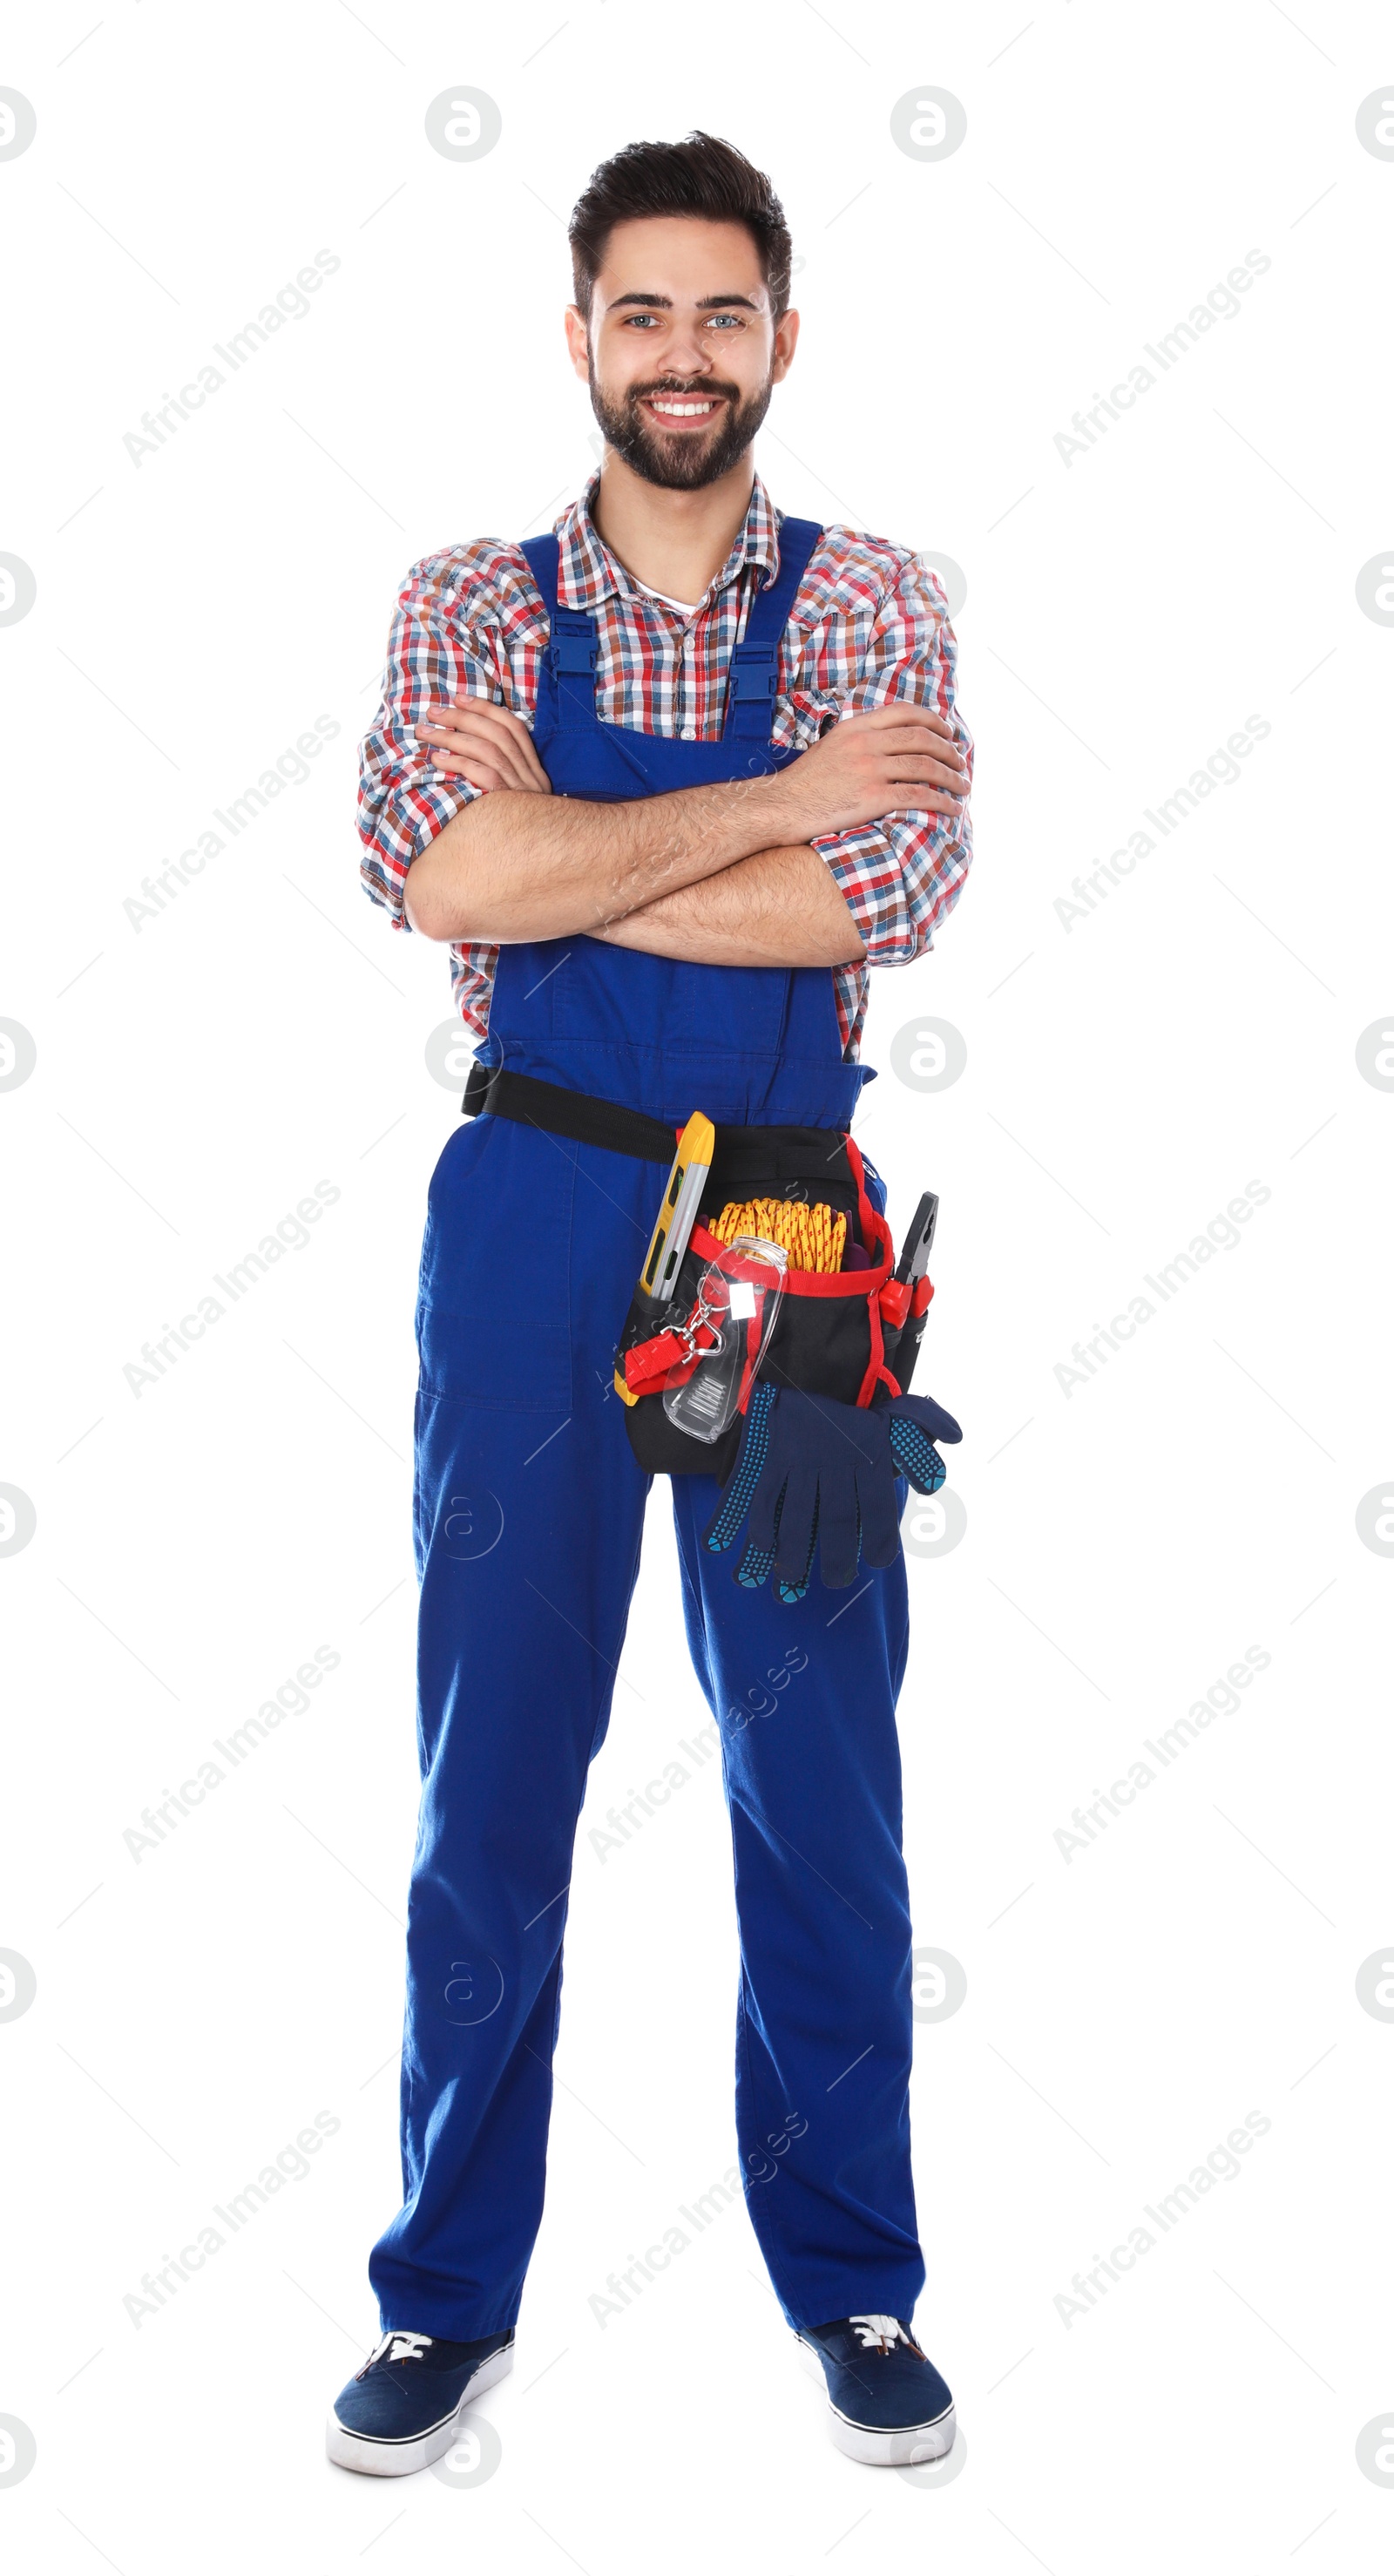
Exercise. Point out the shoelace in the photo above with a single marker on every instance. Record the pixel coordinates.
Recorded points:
(397, 2346)
(880, 2334)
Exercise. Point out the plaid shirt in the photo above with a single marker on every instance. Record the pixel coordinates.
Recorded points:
(869, 624)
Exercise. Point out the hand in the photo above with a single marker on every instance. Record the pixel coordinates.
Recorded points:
(891, 759)
(475, 740)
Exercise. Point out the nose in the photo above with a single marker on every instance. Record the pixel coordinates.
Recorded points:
(685, 355)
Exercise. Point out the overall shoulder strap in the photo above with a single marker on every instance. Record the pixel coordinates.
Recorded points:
(573, 651)
(755, 662)
(544, 562)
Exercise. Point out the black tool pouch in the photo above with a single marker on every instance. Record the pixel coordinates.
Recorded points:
(829, 1338)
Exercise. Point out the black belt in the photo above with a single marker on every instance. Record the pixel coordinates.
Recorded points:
(492, 1092)
(756, 1153)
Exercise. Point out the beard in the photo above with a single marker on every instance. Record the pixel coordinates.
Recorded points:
(677, 461)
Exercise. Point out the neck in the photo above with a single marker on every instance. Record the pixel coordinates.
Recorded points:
(671, 541)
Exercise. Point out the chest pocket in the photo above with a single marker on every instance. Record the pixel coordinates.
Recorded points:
(674, 1009)
(594, 1005)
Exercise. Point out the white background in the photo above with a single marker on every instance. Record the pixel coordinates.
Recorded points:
(1126, 1542)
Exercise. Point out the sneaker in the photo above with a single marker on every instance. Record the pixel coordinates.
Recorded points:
(887, 2403)
(401, 2410)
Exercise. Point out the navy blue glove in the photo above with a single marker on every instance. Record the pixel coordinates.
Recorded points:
(916, 1423)
(812, 1473)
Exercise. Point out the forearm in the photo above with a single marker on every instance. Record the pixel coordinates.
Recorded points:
(778, 907)
(516, 866)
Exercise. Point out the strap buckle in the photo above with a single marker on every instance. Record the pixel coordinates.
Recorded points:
(754, 672)
(573, 658)
(573, 648)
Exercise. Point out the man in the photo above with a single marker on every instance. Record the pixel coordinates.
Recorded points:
(668, 783)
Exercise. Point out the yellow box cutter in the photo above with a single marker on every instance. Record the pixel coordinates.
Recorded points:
(676, 1218)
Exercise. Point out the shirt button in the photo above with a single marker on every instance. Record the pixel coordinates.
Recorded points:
(689, 733)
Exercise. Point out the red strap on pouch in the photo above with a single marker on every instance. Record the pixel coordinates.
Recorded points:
(665, 1361)
(876, 1234)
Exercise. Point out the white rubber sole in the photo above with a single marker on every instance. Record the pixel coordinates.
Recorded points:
(399, 2459)
(902, 2449)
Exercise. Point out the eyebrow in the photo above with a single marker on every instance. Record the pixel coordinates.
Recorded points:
(705, 303)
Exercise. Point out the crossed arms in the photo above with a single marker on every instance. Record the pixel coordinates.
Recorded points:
(722, 875)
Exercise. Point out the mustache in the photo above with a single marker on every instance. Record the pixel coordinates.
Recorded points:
(705, 387)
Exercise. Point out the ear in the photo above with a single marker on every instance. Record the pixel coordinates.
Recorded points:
(785, 342)
(578, 340)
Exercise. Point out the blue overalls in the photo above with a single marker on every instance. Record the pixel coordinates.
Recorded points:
(529, 1509)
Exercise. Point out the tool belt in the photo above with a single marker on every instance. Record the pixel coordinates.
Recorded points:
(840, 1334)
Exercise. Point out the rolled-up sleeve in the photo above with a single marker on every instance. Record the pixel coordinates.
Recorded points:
(439, 648)
(900, 877)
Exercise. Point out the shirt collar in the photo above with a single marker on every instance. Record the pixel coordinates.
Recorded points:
(588, 573)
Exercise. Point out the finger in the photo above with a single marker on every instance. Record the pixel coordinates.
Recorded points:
(898, 711)
(747, 1475)
(917, 1457)
(527, 753)
(792, 1573)
(901, 738)
(926, 773)
(506, 732)
(797, 1520)
(917, 794)
(469, 721)
(468, 743)
(485, 709)
(935, 1423)
(839, 1530)
(494, 721)
(754, 1567)
(445, 726)
(912, 760)
(880, 1520)
(475, 772)
(766, 1506)
(505, 750)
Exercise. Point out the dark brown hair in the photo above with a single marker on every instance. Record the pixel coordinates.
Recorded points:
(700, 176)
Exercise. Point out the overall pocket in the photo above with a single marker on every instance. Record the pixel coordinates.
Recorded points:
(493, 1315)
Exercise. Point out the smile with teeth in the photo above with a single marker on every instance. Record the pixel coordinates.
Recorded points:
(682, 406)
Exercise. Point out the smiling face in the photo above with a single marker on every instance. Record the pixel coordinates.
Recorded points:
(681, 349)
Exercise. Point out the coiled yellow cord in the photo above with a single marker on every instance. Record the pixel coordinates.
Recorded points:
(813, 1237)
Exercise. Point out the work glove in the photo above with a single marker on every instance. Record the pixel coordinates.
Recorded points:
(811, 1473)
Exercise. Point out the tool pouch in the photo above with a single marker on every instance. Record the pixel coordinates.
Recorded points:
(836, 1334)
